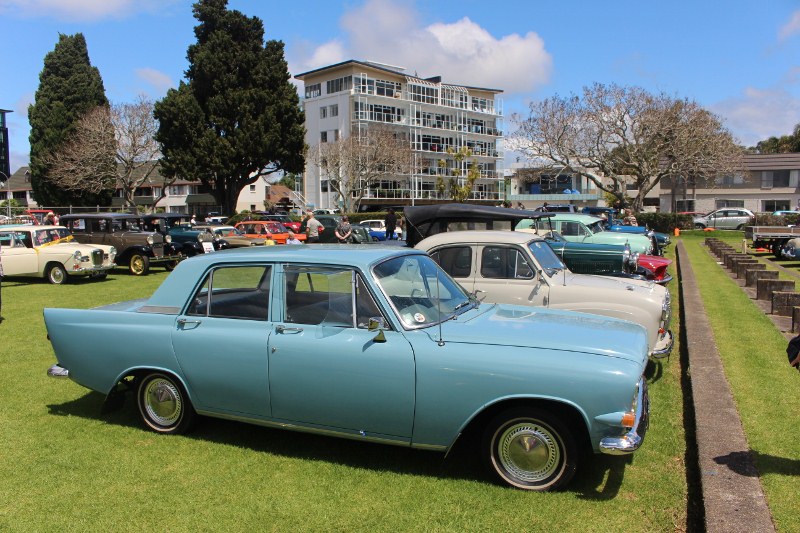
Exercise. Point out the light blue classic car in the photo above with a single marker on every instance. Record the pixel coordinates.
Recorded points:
(369, 343)
(577, 227)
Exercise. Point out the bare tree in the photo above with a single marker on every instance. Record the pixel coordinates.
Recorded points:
(355, 163)
(113, 147)
(616, 136)
(137, 151)
(86, 162)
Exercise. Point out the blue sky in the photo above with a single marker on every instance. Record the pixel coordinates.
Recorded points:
(739, 59)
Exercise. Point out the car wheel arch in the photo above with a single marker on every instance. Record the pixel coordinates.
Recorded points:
(569, 413)
(138, 373)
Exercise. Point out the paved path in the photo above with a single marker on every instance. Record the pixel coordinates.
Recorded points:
(732, 494)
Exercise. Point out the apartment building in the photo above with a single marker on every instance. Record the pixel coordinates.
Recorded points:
(433, 116)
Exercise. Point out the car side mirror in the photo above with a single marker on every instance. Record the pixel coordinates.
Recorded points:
(376, 323)
(475, 294)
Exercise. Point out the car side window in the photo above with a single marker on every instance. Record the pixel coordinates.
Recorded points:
(455, 260)
(328, 297)
(571, 229)
(504, 263)
(240, 292)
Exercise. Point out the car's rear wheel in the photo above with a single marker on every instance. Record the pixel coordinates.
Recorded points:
(56, 274)
(139, 265)
(740, 227)
(171, 265)
(163, 405)
(530, 449)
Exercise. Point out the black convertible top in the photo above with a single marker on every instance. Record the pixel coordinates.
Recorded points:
(426, 220)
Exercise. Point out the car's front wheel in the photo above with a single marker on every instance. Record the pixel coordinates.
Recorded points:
(530, 449)
(163, 405)
(699, 226)
(139, 265)
(56, 274)
(171, 265)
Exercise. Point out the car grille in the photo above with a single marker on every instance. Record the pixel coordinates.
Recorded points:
(158, 249)
(97, 257)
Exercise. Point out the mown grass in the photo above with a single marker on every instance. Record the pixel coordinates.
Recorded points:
(764, 387)
(67, 465)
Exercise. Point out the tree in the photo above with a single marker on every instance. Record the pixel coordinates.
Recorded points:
(237, 117)
(459, 185)
(780, 145)
(69, 87)
(617, 136)
(357, 162)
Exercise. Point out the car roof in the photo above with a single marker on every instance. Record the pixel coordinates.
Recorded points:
(167, 215)
(97, 215)
(477, 236)
(578, 217)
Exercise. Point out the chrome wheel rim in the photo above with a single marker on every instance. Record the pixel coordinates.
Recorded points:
(137, 264)
(162, 402)
(529, 451)
(57, 275)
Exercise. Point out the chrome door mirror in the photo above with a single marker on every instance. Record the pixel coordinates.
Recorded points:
(376, 323)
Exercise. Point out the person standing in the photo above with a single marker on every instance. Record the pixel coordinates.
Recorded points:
(344, 231)
(390, 221)
(313, 227)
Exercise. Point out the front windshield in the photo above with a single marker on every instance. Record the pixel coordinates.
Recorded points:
(51, 235)
(421, 293)
(596, 227)
(546, 257)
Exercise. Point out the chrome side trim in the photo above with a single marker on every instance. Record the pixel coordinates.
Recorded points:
(57, 371)
(633, 439)
(159, 310)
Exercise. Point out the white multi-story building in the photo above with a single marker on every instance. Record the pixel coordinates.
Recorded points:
(433, 116)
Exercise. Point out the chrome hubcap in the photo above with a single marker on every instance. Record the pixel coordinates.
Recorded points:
(57, 275)
(162, 401)
(529, 451)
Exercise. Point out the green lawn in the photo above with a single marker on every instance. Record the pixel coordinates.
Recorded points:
(765, 388)
(67, 465)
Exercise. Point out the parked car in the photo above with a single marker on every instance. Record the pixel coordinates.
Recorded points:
(582, 258)
(136, 249)
(377, 229)
(784, 213)
(726, 218)
(369, 343)
(557, 208)
(266, 229)
(661, 239)
(329, 222)
(577, 227)
(326, 211)
(518, 268)
(50, 252)
(215, 219)
(283, 218)
(231, 235)
(182, 231)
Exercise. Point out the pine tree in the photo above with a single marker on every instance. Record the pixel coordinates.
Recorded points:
(237, 116)
(69, 87)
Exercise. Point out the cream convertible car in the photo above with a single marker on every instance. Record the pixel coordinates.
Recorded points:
(50, 252)
(519, 268)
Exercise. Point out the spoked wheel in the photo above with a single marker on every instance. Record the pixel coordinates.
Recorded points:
(163, 405)
(530, 449)
(56, 274)
(139, 265)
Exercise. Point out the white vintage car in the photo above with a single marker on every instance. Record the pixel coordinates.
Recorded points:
(52, 253)
(519, 268)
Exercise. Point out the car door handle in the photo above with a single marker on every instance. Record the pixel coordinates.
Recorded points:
(183, 321)
(284, 329)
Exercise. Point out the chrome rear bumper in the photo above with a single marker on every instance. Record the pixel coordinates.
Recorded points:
(666, 349)
(57, 371)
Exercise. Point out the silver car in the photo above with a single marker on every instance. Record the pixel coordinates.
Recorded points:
(725, 218)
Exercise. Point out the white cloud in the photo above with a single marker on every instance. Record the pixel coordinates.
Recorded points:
(760, 113)
(79, 10)
(790, 28)
(462, 52)
(158, 80)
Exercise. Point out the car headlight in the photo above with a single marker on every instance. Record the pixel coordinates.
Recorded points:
(150, 240)
(112, 252)
(168, 239)
(77, 255)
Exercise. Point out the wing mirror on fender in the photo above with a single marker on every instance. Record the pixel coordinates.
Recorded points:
(376, 323)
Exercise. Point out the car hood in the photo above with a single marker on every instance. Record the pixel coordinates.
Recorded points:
(609, 283)
(556, 330)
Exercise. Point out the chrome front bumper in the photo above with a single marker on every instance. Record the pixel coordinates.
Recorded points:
(664, 346)
(633, 439)
(90, 270)
(57, 371)
(664, 281)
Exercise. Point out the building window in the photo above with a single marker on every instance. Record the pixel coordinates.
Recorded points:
(323, 185)
(729, 203)
(334, 110)
(312, 91)
(776, 205)
(424, 93)
(323, 136)
(323, 112)
(335, 135)
(252, 188)
(339, 84)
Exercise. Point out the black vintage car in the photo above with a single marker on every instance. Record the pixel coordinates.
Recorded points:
(137, 249)
(178, 227)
